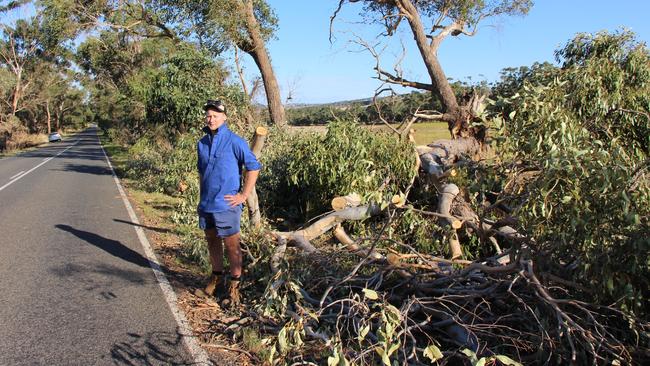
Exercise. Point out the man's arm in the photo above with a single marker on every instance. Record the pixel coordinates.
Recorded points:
(249, 183)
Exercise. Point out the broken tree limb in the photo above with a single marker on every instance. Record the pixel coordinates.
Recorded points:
(344, 238)
(446, 197)
(253, 201)
(418, 163)
(302, 237)
(278, 254)
(343, 202)
(258, 140)
(442, 153)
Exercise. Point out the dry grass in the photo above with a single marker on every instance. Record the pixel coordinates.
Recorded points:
(20, 141)
(425, 132)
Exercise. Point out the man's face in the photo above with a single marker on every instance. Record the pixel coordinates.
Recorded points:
(214, 119)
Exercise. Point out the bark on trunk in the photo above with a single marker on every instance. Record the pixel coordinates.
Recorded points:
(49, 117)
(443, 153)
(258, 51)
(253, 201)
(429, 55)
(302, 237)
(445, 199)
(16, 95)
(58, 116)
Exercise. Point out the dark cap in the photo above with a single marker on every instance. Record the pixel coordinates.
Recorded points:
(216, 105)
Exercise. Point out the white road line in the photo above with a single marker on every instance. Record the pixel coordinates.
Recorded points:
(13, 180)
(17, 175)
(198, 353)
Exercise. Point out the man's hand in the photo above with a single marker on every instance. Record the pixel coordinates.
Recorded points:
(234, 200)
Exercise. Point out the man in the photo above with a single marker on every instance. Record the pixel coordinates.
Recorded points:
(221, 155)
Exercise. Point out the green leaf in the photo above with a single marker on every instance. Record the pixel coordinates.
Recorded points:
(337, 359)
(480, 362)
(383, 355)
(507, 360)
(394, 311)
(433, 353)
(282, 340)
(334, 359)
(363, 332)
(470, 354)
(393, 347)
(370, 294)
(385, 358)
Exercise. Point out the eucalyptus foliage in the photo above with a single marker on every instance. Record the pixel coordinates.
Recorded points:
(181, 86)
(349, 159)
(579, 146)
(464, 12)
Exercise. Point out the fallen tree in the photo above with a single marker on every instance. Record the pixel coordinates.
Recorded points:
(498, 284)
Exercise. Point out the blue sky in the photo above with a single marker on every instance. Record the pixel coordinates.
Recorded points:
(316, 71)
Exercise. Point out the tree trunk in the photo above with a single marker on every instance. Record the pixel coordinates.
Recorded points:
(258, 51)
(58, 115)
(49, 117)
(430, 58)
(16, 94)
(252, 201)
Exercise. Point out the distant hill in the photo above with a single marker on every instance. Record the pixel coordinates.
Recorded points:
(343, 103)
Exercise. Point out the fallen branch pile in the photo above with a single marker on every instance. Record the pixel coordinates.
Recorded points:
(404, 304)
(376, 299)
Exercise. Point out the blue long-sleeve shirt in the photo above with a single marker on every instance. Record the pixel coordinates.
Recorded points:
(220, 161)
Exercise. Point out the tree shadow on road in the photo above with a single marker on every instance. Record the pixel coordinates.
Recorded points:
(156, 229)
(88, 169)
(110, 246)
(152, 348)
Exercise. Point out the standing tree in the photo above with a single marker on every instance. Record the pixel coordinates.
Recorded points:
(19, 46)
(246, 24)
(430, 22)
(215, 25)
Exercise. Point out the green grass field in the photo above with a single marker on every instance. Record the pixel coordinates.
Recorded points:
(425, 132)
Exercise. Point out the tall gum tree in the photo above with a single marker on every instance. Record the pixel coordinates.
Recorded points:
(430, 22)
(19, 47)
(246, 25)
(213, 24)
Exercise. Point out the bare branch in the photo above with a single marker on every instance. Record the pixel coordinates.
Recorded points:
(240, 71)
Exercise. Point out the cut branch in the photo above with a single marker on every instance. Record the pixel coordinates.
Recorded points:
(302, 237)
(253, 201)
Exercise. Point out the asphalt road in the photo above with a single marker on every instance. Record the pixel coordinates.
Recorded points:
(75, 286)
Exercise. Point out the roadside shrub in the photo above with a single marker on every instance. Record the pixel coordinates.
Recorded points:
(582, 142)
(180, 88)
(14, 135)
(348, 159)
(275, 196)
(145, 165)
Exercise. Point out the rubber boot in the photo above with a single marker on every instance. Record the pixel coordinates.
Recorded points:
(215, 280)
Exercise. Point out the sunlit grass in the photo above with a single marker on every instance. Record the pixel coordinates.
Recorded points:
(425, 132)
(119, 154)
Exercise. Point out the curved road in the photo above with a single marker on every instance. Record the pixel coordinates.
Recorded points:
(75, 285)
